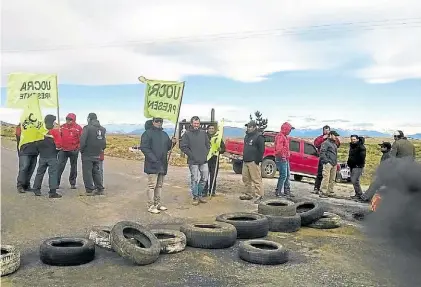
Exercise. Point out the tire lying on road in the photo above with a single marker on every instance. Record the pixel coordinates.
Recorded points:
(216, 235)
(248, 225)
(280, 207)
(262, 252)
(310, 211)
(67, 251)
(171, 241)
(327, 221)
(10, 259)
(100, 235)
(134, 242)
(284, 223)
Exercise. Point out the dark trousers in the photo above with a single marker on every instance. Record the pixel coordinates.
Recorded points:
(52, 165)
(91, 171)
(356, 173)
(27, 164)
(62, 161)
(319, 178)
(213, 174)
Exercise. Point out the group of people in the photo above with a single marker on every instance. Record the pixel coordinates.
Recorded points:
(61, 143)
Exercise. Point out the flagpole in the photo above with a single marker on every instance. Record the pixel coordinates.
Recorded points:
(178, 116)
(214, 176)
(58, 105)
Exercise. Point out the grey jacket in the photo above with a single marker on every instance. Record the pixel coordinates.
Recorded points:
(195, 144)
(329, 153)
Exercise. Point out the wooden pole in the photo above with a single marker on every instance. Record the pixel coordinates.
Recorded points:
(214, 177)
(178, 117)
(58, 106)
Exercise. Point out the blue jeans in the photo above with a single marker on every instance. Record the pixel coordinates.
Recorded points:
(284, 174)
(199, 175)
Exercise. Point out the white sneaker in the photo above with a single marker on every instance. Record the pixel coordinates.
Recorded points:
(153, 209)
(162, 208)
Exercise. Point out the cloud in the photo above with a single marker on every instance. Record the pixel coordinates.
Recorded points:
(167, 39)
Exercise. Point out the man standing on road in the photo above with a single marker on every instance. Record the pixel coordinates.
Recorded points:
(92, 144)
(155, 145)
(48, 149)
(28, 155)
(356, 163)
(329, 159)
(282, 155)
(70, 135)
(402, 147)
(195, 144)
(212, 162)
(254, 148)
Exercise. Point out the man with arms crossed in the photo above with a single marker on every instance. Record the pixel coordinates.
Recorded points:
(329, 159)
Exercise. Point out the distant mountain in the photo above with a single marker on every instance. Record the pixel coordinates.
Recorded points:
(415, 136)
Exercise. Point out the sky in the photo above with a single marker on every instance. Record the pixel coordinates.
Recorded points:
(350, 64)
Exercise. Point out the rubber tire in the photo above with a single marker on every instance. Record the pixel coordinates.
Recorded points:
(220, 235)
(67, 256)
(298, 177)
(176, 243)
(284, 223)
(328, 221)
(249, 253)
(10, 261)
(264, 164)
(247, 229)
(312, 215)
(237, 167)
(126, 248)
(100, 235)
(283, 207)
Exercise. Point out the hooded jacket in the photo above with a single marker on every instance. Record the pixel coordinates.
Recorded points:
(282, 142)
(155, 145)
(195, 144)
(70, 134)
(403, 148)
(49, 147)
(357, 154)
(329, 152)
(92, 140)
(254, 147)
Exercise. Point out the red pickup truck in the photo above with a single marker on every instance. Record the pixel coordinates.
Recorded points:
(303, 162)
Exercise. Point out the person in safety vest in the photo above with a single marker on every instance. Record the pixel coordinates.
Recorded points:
(213, 165)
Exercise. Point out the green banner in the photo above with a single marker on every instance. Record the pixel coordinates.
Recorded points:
(162, 99)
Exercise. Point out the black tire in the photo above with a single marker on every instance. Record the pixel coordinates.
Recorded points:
(10, 260)
(310, 211)
(134, 242)
(67, 251)
(100, 235)
(171, 241)
(280, 207)
(327, 221)
(268, 168)
(298, 177)
(284, 223)
(248, 225)
(263, 252)
(237, 166)
(216, 235)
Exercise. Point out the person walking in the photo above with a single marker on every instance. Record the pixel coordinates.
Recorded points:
(254, 148)
(48, 149)
(92, 144)
(70, 136)
(195, 144)
(402, 147)
(155, 145)
(282, 154)
(213, 165)
(356, 163)
(28, 156)
(329, 159)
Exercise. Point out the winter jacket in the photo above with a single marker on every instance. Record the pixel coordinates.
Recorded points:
(195, 144)
(155, 144)
(329, 152)
(48, 148)
(92, 140)
(403, 148)
(70, 134)
(319, 140)
(254, 147)
(282, 142)
(357, 154)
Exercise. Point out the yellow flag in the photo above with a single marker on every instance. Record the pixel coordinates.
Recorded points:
(215, 141)
(32, 123)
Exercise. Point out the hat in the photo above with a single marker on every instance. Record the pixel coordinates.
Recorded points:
(333, 133)
(92, 116)
(398, 133)
(387, 145)
(251, 124)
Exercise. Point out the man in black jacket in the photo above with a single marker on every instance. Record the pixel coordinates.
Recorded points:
(155, 145)
(92, 144)
(254, 148)
(212, 162)
(356, 163)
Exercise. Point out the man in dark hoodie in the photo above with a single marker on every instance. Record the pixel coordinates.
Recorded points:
(28, 155)
(92, 144)
(356, 163)
(48, 149)
(212, 162)
(155, 145)
(195, 144)
(402, 147)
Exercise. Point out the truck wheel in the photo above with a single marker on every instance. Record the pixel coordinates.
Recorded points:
(298, 177)
(268, 168)
(237, 166)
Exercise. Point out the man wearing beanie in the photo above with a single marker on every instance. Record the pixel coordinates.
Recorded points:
(92, 145)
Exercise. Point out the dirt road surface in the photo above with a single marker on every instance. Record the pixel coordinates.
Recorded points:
(340, 257)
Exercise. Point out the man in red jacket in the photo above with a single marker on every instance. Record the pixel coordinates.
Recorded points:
(282, 155)
(70, 134)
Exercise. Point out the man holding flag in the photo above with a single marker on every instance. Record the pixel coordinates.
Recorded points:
(217, 147)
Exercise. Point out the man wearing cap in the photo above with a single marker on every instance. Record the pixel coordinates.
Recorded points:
(254, 148)
(92, 144)
(329, 159)
(402, 147)
(282, 155)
